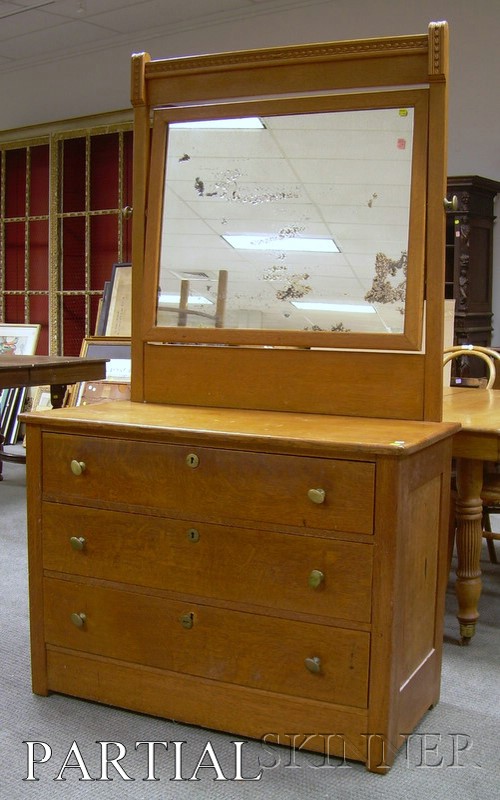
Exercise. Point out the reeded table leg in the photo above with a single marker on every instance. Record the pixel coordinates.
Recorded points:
(469, 538)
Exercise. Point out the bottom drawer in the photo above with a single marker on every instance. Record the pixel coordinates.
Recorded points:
(279, 655)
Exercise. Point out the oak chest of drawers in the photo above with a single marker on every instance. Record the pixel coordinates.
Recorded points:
(262, 573)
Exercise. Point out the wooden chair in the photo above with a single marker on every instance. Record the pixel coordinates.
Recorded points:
(183, 311)
(490, 494)
(484, 353)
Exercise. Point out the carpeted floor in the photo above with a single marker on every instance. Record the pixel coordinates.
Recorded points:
(454, 754)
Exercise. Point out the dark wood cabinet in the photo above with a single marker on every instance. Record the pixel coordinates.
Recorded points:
(469, 256)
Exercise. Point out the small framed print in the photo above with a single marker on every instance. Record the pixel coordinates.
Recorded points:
(19, 340)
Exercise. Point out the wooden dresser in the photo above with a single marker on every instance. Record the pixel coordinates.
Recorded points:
(256, 542)
(241, 571)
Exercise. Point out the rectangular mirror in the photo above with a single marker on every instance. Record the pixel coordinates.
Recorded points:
(290, 222)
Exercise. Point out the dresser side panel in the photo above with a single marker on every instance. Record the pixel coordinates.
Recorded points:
(34, 472)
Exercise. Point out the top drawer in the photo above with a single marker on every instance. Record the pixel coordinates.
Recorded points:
(212, 484)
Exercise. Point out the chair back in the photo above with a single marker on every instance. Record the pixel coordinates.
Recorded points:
(486, 354)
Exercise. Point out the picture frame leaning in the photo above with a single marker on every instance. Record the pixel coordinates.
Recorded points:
(116, 313)
(118, 370)
(15, 340)
(18, 339)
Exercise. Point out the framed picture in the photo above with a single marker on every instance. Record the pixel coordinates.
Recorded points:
(102, 392)
(116, 348)
(41, 400)
(118, 369)
(12, 402)
(19, 340)
(103, 309)
(116, 312)
(38, 399)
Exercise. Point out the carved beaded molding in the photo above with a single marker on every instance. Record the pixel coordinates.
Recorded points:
(437, 31)
(305, 53)
(301, 53)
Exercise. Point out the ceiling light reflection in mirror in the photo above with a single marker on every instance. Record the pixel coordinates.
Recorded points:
(304, 216)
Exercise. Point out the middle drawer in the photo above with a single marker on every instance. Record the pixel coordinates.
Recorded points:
(292, 572)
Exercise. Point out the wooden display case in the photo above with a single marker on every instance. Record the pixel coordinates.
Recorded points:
(469, 261)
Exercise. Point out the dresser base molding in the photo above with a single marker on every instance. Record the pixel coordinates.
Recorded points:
(335, 731)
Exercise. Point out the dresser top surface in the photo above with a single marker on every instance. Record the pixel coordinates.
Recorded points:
(256, 430)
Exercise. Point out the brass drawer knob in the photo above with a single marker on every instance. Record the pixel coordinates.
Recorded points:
(316, 495)
(77, 467)
(316, 578)
(313, 664)
(187, 620)
(77, 542)
(78, 619)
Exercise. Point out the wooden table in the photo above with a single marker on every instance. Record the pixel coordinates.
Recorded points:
(54, 371)
(478, 441)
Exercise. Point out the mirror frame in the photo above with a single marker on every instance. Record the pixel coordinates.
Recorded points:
(410, 338)
(352, 380)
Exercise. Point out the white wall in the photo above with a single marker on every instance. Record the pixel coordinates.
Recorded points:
(100, 82)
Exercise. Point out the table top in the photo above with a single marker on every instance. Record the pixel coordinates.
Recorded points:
(478, 412)
(475, 409)
(16, 370)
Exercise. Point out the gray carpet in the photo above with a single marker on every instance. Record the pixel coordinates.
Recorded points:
(454, 754)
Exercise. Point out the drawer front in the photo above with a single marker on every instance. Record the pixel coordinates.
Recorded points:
(294, 658)
(216, 485)
(305, 574)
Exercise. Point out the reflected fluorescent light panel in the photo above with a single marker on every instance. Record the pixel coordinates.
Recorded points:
(346, 308)
(243, 123)
(296, 244)
(194, 300)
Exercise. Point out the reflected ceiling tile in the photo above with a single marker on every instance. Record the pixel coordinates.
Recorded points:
(278, 181)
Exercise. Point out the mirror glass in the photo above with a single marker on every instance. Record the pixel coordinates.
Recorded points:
(289, 222)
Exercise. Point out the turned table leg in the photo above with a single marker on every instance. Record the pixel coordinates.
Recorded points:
(469, 539)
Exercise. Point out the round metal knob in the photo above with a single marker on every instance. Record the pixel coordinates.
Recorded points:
(127, 212)
(78, 619)
(316, 578)
(313, 664)
(77, 467)
(77, 542)
(316, 495)
(450, 205)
